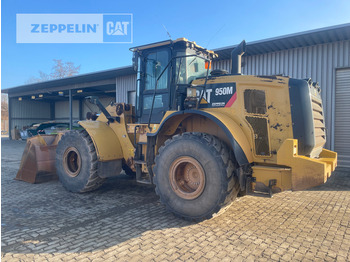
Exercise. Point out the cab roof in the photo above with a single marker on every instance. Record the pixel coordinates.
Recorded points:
(169, 42)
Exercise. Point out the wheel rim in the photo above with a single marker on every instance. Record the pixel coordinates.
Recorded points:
(187, 177)
(72, 161)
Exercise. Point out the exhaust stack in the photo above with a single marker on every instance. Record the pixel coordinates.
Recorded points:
(236, 57)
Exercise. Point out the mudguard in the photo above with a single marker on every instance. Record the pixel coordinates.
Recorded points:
(238, 140)
(105, 140)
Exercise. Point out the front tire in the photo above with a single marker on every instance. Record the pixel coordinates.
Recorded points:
(194, 176)
(76, 162)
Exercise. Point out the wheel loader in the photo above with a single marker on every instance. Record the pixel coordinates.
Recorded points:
(200, 136)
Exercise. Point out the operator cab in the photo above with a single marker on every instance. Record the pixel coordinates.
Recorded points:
(165, 71)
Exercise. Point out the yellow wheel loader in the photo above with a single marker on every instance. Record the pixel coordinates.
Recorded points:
(202, 137)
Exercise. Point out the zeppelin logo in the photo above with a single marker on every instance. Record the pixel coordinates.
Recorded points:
(64, 28)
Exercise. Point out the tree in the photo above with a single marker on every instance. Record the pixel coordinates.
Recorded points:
(63, 69)
(60, 69)
(4, 107)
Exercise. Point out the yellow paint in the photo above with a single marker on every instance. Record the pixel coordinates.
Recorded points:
(111, 140)
(203, 101)
(306, 172)
(291, 171)
(120, 130)
(284, 164)
(283, 176)
(235, 130)
(277, 110)
(171, 125)
(105, 141)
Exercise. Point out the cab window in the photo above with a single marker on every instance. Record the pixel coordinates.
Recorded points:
(189, 68)
(155, 64)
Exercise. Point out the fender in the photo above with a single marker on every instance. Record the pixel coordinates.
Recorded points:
(105, 140)
(239, 142)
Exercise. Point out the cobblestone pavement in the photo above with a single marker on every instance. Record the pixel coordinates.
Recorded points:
(125, 222)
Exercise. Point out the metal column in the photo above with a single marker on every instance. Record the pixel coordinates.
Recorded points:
(81, 117)
(10, 116)
(52, 111)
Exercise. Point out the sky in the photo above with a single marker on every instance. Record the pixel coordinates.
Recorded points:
(211, 24)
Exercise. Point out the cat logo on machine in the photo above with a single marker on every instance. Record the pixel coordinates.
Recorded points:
(219, 95)
(206, 96)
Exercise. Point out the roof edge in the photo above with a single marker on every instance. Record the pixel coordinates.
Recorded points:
(6, 90)
(319, 30)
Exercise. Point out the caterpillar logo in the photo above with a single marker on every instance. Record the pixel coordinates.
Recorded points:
(118, 28)
(206, 96)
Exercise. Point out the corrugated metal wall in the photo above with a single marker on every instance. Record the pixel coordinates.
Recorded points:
(27, 112)
(342, 116)
(62, 110)
(88, 107)
(124, 84)
(318, 62)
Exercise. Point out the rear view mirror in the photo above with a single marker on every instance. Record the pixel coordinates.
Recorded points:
(196, 67)
(135, 58)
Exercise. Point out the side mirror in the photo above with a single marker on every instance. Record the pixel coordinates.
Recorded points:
(135, 59)
(196, 67)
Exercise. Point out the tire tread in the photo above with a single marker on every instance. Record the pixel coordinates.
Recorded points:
(222, 153)
(94, 181)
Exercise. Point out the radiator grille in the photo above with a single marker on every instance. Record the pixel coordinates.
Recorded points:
(261, 137)
(319, 126)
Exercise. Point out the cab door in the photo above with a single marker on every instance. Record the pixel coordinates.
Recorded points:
(154, 64)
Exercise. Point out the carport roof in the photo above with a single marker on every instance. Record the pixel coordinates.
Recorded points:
(302, 39)
(72, 82)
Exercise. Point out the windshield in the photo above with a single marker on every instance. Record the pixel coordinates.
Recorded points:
(189, 68)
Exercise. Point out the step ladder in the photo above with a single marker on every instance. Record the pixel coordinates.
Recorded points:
(139, 160)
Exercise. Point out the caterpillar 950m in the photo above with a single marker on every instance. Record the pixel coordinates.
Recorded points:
(202, 137)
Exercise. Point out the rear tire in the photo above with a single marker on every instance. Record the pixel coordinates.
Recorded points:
(76, 162)
(194, 176)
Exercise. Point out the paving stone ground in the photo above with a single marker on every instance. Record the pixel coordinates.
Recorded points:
(123, 221)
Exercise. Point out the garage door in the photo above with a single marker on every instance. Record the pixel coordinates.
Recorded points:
(342, 117)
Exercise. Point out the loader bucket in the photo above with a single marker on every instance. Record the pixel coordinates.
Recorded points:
(38, 159)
